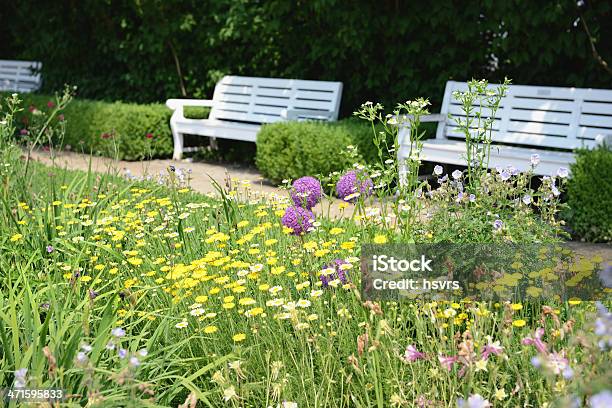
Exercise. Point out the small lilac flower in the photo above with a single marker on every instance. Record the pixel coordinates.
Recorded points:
(299, 219)
(505, 175)
(134, 362)
(457, 174)
(86, 348)
(474, 401)
(438, 170)
(535, 159)
(50, 249)
(81, 357)
(513, 170)
(459, 197)
(562, 172)
(527, 199)
(110, 345)
(605, 275)
(122, 353)
(472, 198)
(555, 191)
(536, 361)
(306, 192)
(601, 400)
(412, 354)
(352, 184)
(93, 294)
(143, 352)
(497, 225)
(20, 378)
(568, 373)
(443, 179)
(118, 332)
(557, 363)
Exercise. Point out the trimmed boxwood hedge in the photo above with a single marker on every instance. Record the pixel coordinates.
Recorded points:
(110, 129)
(589, 195)
(288, 150)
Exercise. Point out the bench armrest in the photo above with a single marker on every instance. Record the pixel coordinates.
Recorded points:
(294, 114)
(175, 104)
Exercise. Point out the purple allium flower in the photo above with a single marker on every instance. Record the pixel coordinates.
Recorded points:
(457, 174)
(306, 192)
(497, 225)
(50, 249)
(412, 354)
(438, 170)
(338, 273)
(298, 219)
(601, 400)
(352, 184)
(562, 172)
(535, 159)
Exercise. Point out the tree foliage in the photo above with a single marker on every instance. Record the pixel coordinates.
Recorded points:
(386, 50)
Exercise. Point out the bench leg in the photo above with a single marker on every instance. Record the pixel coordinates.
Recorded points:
(213, 143)
(178, 144)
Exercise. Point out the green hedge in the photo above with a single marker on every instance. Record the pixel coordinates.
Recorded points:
(111, 129)
(590, 195)
(295, 149)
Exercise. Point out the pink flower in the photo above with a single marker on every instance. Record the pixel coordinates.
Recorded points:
(412, 354)
(149, 135)
(447, 361)
(50, 104)
(491, 348)
(536, 341)
(557, 363)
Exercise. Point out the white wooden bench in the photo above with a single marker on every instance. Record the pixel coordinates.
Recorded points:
(20, 76)
(547, 121)
(240, 105)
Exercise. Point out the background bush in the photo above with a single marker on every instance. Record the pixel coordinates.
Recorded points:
(111, 129)
(295, 149)
(590, 195)
(151, 50)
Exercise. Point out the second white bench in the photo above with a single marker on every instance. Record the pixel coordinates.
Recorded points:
(548, 121)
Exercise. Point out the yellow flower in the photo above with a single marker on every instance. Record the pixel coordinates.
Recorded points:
(135, 261)
(516, 306)
(574, 301)
(500, 394)
(16, 237)
(239, 337)
(380, 239)
(336, 231)
(519, 323)
(210, 329)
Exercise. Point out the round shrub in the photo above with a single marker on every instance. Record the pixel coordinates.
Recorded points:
(296, 149)
(589, 193)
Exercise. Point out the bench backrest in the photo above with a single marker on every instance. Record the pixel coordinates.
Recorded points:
(20, 76)
(539, 116)
(262, 100)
